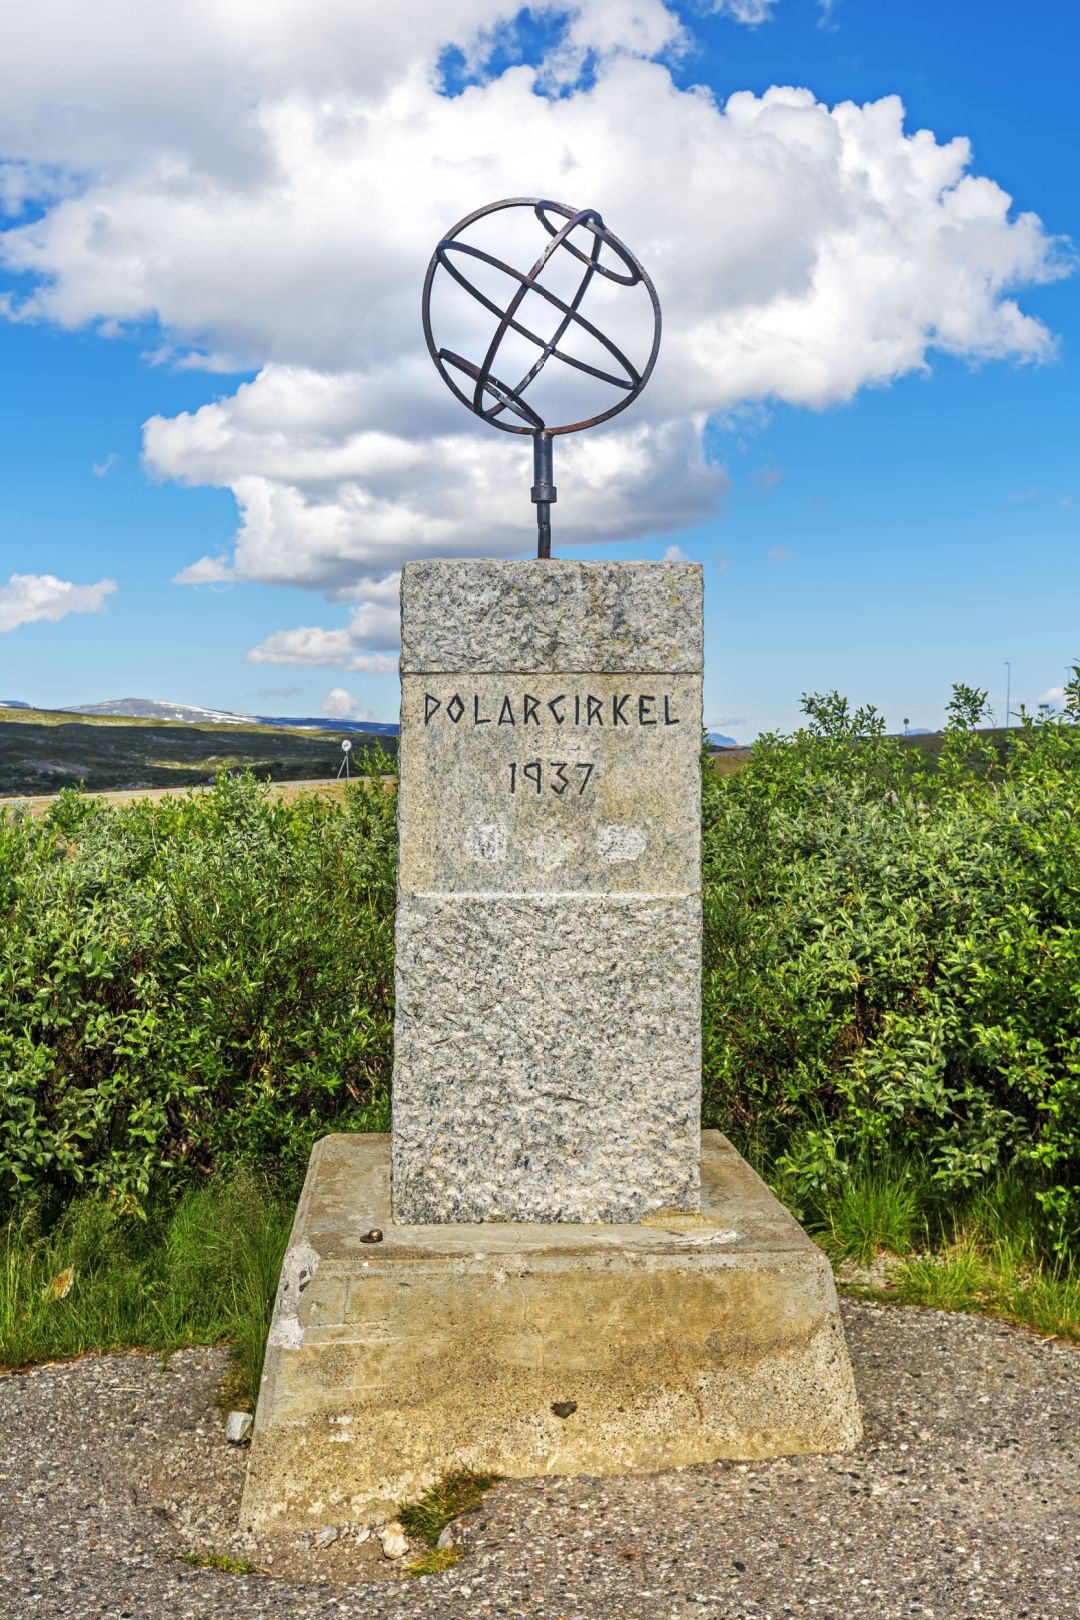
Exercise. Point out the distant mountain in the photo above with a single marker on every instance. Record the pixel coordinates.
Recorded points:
(718, 740)
(14, 703)
(151, 709)
(378, 728)
(192, 714)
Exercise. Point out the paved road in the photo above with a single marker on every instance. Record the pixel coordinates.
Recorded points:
(964, 1500)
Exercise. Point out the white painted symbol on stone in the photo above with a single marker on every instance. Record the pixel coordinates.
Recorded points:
(486, 842)
(615, 843)
(549, 851)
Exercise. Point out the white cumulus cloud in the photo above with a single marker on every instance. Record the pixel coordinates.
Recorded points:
(341, 705)
(261, 188)
(366, 645)
(27, 598)
(859, 249)
(309, 644)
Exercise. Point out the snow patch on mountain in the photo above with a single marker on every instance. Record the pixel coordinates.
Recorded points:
(152, 709)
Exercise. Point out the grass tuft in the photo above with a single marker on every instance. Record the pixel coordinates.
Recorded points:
(987, 1252)
(434, 1562)
(221, 1561)
(201, 1268)
(997, 1280)
(878, 1206)
(453, 1495)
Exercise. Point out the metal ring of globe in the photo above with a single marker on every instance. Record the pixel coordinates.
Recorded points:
(487, 395)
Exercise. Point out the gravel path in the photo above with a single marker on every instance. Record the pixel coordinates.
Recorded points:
(964, 1500)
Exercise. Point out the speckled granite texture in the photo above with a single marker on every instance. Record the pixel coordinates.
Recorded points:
(604, 808)
(562, 1034)
(558, 616)
(547, 1028)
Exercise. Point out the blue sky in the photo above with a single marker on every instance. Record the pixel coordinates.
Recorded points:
(923, 532)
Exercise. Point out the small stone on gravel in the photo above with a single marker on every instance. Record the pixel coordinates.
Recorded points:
(238, 1427)
(394, 1540)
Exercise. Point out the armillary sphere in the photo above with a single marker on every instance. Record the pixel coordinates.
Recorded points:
(544, 318)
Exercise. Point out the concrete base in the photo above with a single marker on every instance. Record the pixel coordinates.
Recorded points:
(523, 1350)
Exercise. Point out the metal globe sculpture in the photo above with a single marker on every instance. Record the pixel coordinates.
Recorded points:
(547, 321)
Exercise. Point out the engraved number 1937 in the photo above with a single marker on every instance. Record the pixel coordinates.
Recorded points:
(557, 780)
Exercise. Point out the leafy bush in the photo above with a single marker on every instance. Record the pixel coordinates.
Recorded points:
(892, 968)
(893, 952)
(202, 980)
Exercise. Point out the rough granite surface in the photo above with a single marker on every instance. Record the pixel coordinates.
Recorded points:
(610, 801)
(556, 616)
(547, 1045)
(548, 1057)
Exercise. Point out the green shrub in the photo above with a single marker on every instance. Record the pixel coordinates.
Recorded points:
(892, 953)
(892, 973)
(198, 981)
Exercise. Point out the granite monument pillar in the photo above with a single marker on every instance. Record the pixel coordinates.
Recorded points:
(548, 1003)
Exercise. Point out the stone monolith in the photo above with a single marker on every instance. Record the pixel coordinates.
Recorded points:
(547, 1027)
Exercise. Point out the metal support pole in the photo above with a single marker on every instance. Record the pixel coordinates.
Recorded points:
(544, 493)
(1008, 694)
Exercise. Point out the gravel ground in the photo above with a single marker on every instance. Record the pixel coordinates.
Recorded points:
(964, 1500)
